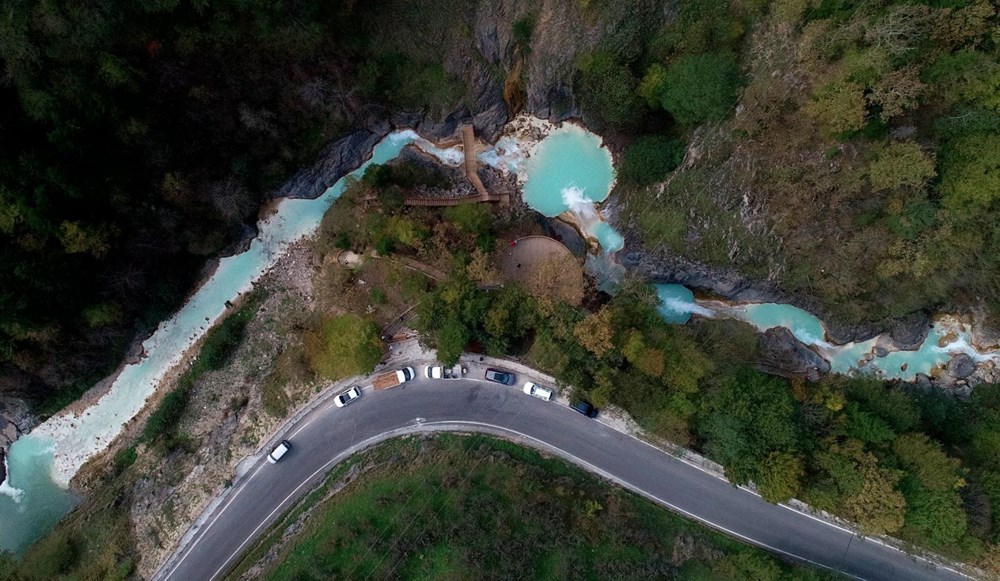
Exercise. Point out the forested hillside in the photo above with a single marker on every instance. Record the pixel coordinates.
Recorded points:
(845, 151)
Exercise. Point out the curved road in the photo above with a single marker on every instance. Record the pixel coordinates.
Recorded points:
(328, 435)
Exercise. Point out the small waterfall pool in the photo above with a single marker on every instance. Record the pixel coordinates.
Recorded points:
(571, 171)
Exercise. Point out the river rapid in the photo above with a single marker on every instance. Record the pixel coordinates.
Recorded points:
(564, 170)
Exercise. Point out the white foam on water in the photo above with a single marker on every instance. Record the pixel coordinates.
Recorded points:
(686, 307)
(585, 210)
(962, 345)
(452, 156)
(507, 155)
(576, 199)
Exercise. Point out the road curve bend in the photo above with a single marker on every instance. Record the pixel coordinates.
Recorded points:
(328, 435)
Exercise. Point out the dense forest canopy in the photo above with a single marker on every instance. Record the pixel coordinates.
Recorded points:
(139, 140)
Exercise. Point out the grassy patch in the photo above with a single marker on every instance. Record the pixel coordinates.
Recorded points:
(476, 507)
(346, 345)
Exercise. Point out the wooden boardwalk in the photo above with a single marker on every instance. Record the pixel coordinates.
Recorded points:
(471, 163)
(471, 166)
(471, 173)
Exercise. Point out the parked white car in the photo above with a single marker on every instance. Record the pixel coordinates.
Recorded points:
(347, 397)
(279, 451)
(539, 391)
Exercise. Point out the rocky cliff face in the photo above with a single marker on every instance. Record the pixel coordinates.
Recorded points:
(14, 421)
(335, 161)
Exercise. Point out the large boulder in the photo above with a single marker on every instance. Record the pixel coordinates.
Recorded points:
(840, 333)
(909, 332)
(782, 354)
(961, 366)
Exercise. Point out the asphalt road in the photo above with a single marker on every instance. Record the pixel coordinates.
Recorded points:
(329, 435)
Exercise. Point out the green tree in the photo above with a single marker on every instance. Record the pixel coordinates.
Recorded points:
(595, 333)
(650, 158)
(450, 341)
(78, 238)
(893, 405)
(652, 85)
(509, 317)
(968, 76)
(839, 106)
(780, 476)
(475, 219)
(900, 164)
(926, 460)
(970, 172)
(345, 345)
(877, 507)
(749, 416)
(607, 90)
(865, 491)
(936, 516)
(866, 426)
(700, 88)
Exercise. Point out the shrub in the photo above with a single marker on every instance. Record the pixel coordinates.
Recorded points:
(165, 417)
(51, 557)
(102, 315)
(901, 164)
(523, 28)
(650, 158)
(124, 459)
(274, 398)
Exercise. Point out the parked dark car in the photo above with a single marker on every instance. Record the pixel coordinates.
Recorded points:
(504, 377)
(584, 407)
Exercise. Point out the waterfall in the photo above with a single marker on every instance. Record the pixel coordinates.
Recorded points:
(5, 487)
(681, 306)
(579, 204)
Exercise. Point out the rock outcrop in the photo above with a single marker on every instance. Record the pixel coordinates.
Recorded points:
(782, 354)
(674, 269)
(909, 332)
(335, 161)
(8, 433)
(904, 334)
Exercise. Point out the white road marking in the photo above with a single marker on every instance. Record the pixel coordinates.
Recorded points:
(422, 425)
